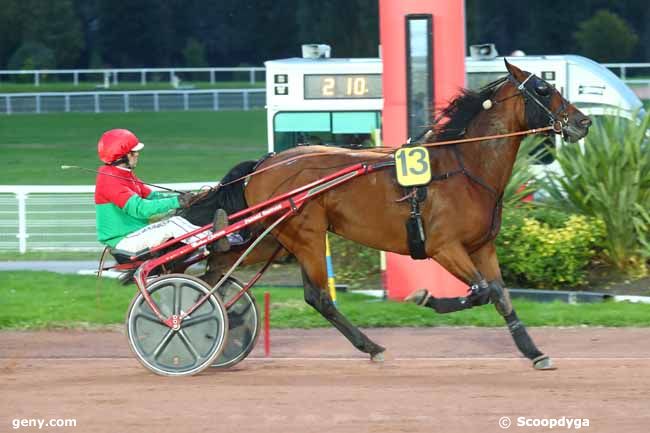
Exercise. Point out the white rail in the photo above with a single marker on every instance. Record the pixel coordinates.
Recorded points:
(53, 217)
(137, 100)
(112, 76)
(624, 67)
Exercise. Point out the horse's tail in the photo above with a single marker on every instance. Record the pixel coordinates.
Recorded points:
(229, 197)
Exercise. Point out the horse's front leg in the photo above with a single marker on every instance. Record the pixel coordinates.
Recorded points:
(481, 271)
(486, 261)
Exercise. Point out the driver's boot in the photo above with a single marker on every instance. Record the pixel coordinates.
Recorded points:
(220, 222)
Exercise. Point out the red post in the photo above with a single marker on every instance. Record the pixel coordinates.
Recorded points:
(267, 324)
(447, 51)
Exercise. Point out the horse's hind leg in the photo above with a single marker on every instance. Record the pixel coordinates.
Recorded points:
(304, 237)
(486, 261)
(319, 298)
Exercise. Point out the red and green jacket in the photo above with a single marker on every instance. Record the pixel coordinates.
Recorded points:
(123, 206)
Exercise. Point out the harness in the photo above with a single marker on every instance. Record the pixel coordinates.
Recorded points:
(416, 235)
(558, 123)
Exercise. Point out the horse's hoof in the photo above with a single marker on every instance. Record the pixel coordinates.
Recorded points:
(377, 357)
(419, 297)
(543, 363)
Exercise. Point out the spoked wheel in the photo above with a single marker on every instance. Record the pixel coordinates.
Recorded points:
(200, 339)
(243, 324)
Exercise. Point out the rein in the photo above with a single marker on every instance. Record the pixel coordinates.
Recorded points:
(391, 150)
(556, 125)
(488, 137)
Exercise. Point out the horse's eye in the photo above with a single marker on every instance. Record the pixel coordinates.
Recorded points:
(542, 88)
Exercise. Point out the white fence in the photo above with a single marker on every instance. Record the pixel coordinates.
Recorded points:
(110, 77)
(624, 68)
(141, 100)
(49, 217)
(635, 75)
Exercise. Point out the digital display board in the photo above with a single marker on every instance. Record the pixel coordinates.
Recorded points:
(343, 86)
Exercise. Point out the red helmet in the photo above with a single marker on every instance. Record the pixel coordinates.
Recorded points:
(116, 143)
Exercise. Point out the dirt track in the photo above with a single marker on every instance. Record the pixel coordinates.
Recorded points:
(434, 379)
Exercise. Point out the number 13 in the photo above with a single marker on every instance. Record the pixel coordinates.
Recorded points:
(413, 166)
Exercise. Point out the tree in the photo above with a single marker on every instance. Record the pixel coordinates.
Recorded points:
(135, 33)
(194, 54)
(10, 29)
(351, 27)
(34, 25)
(56, 25)
(605, 37)
(32, 55)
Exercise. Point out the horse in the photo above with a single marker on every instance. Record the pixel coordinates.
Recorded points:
(461, 214)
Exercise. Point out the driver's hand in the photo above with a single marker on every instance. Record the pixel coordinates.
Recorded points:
(186, 199)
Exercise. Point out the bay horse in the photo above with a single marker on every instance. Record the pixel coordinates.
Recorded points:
(461, 213)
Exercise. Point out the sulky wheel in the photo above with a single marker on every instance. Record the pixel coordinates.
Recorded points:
(200, 339)
(243, 324)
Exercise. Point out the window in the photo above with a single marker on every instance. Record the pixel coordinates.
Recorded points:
(419, 73)
(476, 80)
(340, 128)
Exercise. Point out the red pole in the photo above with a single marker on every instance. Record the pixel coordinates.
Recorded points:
(267, 324)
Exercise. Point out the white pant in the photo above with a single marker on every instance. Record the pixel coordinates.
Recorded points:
(157, 233)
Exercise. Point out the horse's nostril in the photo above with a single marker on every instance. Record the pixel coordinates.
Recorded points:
(586, 122)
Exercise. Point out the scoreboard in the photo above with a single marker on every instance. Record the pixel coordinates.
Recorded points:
(323, 101)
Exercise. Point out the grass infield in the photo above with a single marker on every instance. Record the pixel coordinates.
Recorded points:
(38, 300)
(179, 146)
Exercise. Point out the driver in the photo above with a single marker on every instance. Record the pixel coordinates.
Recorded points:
(124, 205)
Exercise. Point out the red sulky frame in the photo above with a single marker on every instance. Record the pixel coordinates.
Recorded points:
(290, 202)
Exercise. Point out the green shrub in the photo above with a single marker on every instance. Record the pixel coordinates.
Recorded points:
(32, 55)
(538, 254)
(554, 218)
(541, 246)
(609, 179)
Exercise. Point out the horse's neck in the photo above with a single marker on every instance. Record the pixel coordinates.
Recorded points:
(492, 160)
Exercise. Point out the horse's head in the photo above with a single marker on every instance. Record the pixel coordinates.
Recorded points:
(545, 106)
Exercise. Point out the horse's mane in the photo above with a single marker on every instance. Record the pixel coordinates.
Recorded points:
(228, 197)
(462, 109)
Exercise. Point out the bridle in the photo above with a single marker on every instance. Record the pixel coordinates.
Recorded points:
(558, 120)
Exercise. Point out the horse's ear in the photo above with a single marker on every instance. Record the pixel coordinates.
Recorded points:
(512, 69)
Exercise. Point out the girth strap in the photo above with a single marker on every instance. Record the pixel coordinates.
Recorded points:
(416, 235)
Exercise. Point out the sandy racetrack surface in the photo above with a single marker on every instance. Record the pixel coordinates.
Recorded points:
(434, 379)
